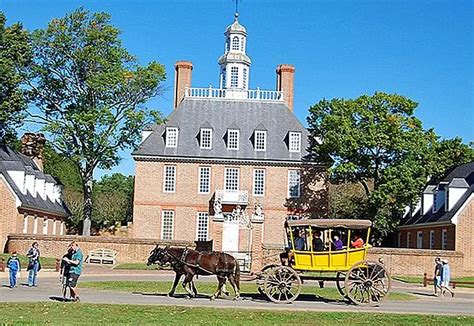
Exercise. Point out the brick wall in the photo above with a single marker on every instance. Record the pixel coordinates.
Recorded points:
(465, 235)
(128, 250)
(9, 217)
(438, 237)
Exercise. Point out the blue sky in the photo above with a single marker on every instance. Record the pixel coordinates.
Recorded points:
(420, 49)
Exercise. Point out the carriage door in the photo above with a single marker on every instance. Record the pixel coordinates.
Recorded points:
(230, 234)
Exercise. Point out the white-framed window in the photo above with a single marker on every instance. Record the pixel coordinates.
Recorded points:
(167, 225)
(293, 183)
(235, 43)
(169, 178)
(444, 243)
(204, 179)
(206, 138)
(258, 182)
(171, 137)
(233, 139)
(242, 44)
(399, 239)
(408, 239)
(234, 77)
(25, 223)
(45, 225)
(244, 78)
(260, 140)
(432, 239)
(294, 141)
(202, 226)
(231, 179)
(227, 44)
(419, 239)
(224, 78)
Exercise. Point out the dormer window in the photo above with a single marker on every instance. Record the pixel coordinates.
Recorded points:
(233, 139)
(294, 141)
(260, 140)
(235, 43)
(206, 138)
(171, 137)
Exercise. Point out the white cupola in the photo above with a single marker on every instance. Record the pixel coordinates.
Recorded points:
(234, 63)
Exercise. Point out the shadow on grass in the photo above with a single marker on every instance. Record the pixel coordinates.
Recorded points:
(60, 299)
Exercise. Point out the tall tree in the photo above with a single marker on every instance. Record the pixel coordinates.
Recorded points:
(15, 55)
(90, 93)
(378, 142)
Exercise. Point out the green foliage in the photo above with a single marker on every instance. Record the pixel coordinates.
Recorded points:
(378, 142)
(62, 168)
(113, 200)
(15, 55)
(90, 92)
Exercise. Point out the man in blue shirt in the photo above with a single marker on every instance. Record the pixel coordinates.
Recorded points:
(75, 270)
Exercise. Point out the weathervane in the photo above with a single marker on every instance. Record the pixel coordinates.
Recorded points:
(236, 8)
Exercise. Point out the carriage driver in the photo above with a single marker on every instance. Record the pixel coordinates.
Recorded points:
(75, 270)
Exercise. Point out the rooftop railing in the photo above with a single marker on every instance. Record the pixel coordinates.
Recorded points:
(246, 94)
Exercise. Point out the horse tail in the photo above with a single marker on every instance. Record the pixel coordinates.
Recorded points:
(237, 274)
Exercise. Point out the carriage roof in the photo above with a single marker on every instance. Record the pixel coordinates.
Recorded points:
(332, 223)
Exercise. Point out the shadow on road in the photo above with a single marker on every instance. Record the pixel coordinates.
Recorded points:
(60, 299)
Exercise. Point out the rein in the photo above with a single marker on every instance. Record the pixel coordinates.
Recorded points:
(183, 261)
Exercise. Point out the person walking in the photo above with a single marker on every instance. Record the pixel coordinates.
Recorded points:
(75, 270)
(445, 278)
(33, 264)
(14, 267)
(437, 276)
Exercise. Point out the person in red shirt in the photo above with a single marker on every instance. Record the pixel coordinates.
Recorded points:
(358, 242)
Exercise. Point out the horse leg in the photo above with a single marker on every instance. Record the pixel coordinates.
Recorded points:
(188, 279)
(231, 278)
(224, 289)
(175, 284)
(194, 289)
(221, 280)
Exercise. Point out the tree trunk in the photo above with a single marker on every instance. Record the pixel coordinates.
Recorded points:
(87, 187)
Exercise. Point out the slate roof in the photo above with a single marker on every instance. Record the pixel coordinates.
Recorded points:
(220, 115)
(11, 160)
(462, 177)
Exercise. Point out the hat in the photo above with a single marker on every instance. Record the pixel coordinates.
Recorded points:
(444, 261)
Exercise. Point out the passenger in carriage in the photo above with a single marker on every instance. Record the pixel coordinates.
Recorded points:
(336, 243)
(300, 243)
(357, 242)
(318, 244)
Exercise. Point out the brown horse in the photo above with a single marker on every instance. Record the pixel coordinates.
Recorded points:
(190, 263)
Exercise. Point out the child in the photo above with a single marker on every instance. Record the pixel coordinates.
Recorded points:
(13, 264)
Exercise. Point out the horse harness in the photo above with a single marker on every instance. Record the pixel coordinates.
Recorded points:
(184, 255)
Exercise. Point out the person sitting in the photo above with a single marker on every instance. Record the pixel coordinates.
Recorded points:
(337, 243)
(318, 244)
(300, 243)
(358, 242)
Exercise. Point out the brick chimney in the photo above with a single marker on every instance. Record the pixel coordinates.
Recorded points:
(32, 145)
(182, 79)
(284, 82)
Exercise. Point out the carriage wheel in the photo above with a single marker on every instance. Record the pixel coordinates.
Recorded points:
(340, 283)
(282, 285)
(367, 283)
(261, 280)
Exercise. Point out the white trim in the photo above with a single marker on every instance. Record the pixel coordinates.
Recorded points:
(199, 179)
(444, 244)
(418, 244)
(432, 239)
(299, 184)
(253, 183)
(162, 223)
(455, 218)
(17, 199)
(164, 179)
(237, 132)
(54, 227)
(264, 133)
(25, 223)
(45, 225)
(35, 225)
(168, 140)
(290, 148)
(408, 240)
(210, 138)
(225, 178)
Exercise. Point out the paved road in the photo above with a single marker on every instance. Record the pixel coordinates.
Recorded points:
(49, 290)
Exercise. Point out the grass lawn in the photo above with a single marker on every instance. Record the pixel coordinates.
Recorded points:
(46, 262)
(93, 314)
(419, 280)
(210, 287)
(139, 267)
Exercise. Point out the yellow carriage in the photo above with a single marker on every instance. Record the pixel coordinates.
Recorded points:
(313, 254)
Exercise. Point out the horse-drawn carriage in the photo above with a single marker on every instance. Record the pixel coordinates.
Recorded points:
(361, 281)
(311, 255)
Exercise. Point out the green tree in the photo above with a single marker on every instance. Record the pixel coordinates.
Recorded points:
(113, 200)
(90, 93)
(15, 55)
(377, 141)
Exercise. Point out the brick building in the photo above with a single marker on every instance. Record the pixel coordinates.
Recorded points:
(30, 201)
(444, 218)
(229, 164)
